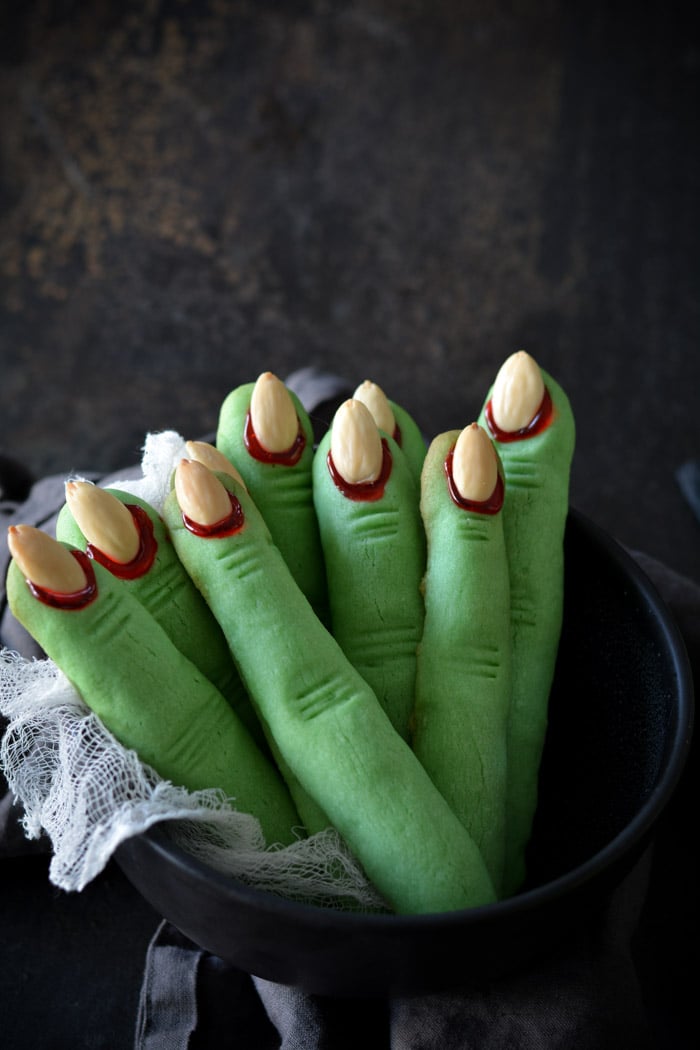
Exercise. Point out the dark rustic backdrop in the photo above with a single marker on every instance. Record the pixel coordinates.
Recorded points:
(193, 192)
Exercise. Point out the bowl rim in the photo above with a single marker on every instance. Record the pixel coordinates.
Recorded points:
(632, 836)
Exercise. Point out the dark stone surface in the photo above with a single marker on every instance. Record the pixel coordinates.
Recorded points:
(194, 192)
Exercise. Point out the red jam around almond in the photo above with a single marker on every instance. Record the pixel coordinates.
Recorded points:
(492, 505)
(287, 458)
(539, 422)
(145, 556)
(227, 526)
(76, 599)
(365, 491)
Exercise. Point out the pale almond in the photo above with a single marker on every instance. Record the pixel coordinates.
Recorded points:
(44, 561)
(200, 494)
(517, 392)
(474, 464)
(103, 520)
(203, 452)
(356, 445)
(372, 395)
(272, 414)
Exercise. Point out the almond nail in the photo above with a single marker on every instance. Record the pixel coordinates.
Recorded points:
(517, 392)
(474, 464)
(44, 561)
(273, 414)
(210, 457)
(103, 520)
(202, 497)
(372, 395)
(356, 445)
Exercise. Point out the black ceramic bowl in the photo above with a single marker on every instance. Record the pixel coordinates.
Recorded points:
(619, 733)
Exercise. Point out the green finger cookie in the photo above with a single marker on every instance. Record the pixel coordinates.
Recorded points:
(157, 578)
(464, 682)
(324, 717)
(277, 473)
(148, 694)
(374, 550)
(536, 448)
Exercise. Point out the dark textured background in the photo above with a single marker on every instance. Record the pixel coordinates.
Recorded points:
(194, 192)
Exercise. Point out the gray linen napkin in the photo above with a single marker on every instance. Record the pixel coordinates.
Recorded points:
(586, 996)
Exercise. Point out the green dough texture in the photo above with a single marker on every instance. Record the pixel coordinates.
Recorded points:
(283, 494)
(168, 593)
(536, 505)
(412, 441)
(375, 561)
(154, 700)
(328, 724)
(464, 681)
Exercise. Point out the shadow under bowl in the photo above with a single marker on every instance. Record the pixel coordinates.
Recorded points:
(621, 713)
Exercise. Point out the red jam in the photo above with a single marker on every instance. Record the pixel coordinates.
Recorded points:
(145, 555)
(76, 599)
(397, 435)
(227, 526)
(492, 505)
(539, 422)
(365, 491)
(287, 458)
